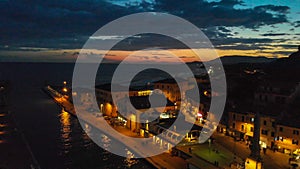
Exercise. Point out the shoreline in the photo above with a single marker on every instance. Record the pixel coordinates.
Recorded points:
(148, 160)
(151, 160)
(161, 161)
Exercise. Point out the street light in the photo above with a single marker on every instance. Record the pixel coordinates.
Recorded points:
(209, 144)
(101, 108)
(65, 90)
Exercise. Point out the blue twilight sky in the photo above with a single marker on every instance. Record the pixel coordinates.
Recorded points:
(55, 30)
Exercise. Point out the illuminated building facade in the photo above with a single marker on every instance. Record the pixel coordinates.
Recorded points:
(241, 126)
(170, 88)
(287, 138)
(274, 133)
(139, 99)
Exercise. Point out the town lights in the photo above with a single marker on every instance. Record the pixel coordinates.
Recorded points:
(65, 90)
(200, 117)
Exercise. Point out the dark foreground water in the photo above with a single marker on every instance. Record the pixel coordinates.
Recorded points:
(56, 138)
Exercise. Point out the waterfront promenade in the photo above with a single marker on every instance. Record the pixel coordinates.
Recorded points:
(164, 160)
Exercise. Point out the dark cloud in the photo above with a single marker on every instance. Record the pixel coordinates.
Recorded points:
(68, 23)
(223, 29)
(243, 47)
(224, 13)
(287, 46)
(217, 32)
(274, 34)
(285, 53)
(296, 24)
(244, 41)
(279, 9)
(63, 23)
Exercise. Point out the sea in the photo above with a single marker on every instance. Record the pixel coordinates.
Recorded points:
(56, 138)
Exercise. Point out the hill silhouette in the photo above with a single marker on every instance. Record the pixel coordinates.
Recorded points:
(285, 69)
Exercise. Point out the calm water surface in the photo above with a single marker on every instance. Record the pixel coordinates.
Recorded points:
(56, 138)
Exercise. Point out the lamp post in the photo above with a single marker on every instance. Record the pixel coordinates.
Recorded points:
(254, 161)
(209, 144)
(65, 89)
(101, 108)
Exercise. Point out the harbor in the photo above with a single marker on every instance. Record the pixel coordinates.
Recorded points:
(186, 159)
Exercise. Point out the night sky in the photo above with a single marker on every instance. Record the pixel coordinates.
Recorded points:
(55, 30)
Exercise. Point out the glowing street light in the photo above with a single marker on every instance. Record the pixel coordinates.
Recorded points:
(101, 108)
(65, 90)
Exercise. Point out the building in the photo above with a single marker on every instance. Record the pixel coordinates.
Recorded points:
(274, 92)
(140, 109)
(167, 136)
(131, 111)
(241, 126)
(287, 138)
(281, 135)
(171, 89)
(105, 100)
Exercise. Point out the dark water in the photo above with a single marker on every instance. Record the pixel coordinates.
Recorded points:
(56, 138)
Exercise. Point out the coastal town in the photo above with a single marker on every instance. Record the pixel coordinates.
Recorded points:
(149, 84)
(232, 142)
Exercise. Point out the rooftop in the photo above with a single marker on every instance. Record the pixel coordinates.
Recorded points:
(120, 88)
(142, 102)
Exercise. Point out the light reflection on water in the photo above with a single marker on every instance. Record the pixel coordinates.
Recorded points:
(106, 143)
(78, 149)
(5, 127)
(86, 139)
(65, 130)
(129, 161)
(55, 137)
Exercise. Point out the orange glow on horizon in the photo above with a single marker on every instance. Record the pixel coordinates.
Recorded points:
(186, 55)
